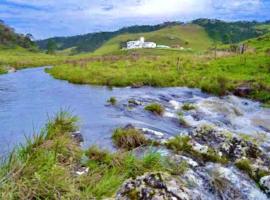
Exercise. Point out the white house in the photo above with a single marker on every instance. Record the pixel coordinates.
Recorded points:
(139, 44)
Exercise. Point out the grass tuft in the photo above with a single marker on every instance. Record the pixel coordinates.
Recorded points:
(155, 108)
(129, 138)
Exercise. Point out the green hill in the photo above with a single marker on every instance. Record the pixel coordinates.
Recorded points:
(10, 39)
(188, 36)
(196, 35)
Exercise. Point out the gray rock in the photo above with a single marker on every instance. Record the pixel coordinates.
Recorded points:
(153, 186)
(265, 184)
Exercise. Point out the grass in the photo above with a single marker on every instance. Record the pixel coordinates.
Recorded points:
(245, 165)
(21, 58)
(181, 35)
(128, 138)
(188, 106)
(169, 69)
(181, 144)
(44, 167)
(155, 108)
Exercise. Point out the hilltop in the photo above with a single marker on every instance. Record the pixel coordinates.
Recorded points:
(198, 34)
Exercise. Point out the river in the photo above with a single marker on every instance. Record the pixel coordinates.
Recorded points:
(29, 97)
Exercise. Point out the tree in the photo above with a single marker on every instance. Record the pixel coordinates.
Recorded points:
(51, 47)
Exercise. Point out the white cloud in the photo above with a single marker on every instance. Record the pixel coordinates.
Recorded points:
(68, 17)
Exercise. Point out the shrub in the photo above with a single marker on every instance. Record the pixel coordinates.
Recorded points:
(128, 138)
(155, 108)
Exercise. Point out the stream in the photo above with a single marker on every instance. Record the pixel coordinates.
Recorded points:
(28, 98)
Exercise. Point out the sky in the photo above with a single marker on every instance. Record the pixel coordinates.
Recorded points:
(48, 18)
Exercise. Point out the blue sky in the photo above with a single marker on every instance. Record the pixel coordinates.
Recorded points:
(47, 18)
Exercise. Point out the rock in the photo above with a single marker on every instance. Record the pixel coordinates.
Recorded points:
(242, 91)
(82, 171)
(199, 148)
(153, 186)
(77, 136)
(137, 85)
(265, 184)
(233, 146)
(134, 102)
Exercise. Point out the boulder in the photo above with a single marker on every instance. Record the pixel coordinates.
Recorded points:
(153, 186)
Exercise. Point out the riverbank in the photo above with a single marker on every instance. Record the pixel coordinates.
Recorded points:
(51, 165)
(217, 76)
(20, 58)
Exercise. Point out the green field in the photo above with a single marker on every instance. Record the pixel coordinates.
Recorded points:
(22, 58)
(188, 36)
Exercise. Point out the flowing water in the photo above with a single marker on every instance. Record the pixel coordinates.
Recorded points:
(29, 97)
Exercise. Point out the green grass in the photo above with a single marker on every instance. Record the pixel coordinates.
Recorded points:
(21, 58)
(181, 144)
(182, 35)
(192, 70)
(44, 167)
(188, 106)
(155, 108)
(128, 138)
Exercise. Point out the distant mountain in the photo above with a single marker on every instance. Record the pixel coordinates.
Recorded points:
(9, 38)
(217, 30)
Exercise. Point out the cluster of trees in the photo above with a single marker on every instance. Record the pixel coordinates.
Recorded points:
(9, 38)
(230, 32)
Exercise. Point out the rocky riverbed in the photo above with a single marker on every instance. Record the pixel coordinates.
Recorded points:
(229, 155)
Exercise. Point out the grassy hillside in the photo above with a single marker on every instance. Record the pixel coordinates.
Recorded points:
(189, 36)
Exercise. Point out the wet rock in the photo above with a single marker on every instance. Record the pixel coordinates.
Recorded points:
(199, 148)
(265, 184)
(242, 91)
(77, 136)
(231, 145)
(134, 102)
(153, 186)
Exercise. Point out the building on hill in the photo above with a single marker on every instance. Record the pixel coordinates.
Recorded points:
(139, 44)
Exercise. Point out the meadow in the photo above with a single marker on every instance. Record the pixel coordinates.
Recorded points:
(166, 68)
(20, 58)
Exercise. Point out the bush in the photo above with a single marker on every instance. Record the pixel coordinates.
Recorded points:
(155, 108)
(128, 138)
